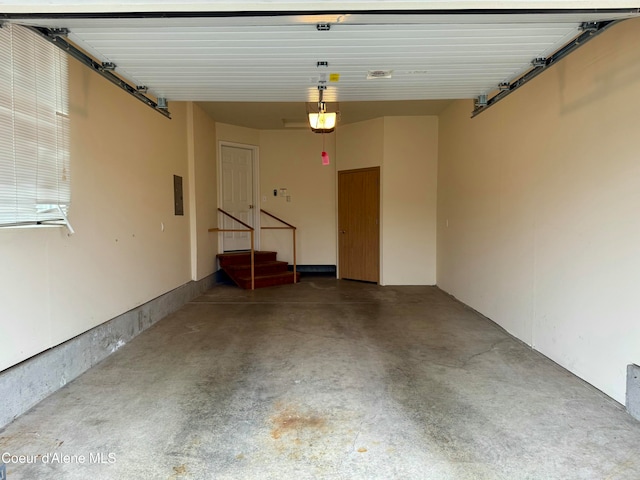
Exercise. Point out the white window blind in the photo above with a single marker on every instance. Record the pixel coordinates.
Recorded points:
(34, 130)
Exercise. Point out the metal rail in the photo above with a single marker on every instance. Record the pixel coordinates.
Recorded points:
(56, 37)
(293, 231)
(590, 30)
(249, 229)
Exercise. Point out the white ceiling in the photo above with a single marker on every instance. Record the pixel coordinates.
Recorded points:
(215, 57)
(279, 63)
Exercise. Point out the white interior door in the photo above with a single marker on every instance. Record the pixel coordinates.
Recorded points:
(237, 194)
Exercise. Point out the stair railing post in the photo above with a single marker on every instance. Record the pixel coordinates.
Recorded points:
(295, 275)
(293, 231)
(253, 278)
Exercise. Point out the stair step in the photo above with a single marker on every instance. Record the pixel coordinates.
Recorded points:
(267, 280)
(235, 258)
(260, 268)
(267, 270)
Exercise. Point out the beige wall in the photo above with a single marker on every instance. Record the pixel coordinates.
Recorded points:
(201, 131)
(291, 159)
(235, 134)
(538, 223)
(123, 158)
(406, 150)
(360, 145)
(409, 188)
(129, 247)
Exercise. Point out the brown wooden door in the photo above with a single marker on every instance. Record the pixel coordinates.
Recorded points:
(359, 224)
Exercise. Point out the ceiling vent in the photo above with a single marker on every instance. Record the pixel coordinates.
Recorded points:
(373, 74)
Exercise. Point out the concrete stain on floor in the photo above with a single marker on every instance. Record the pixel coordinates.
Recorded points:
(289, 421)
(326, 379)
(179, 471)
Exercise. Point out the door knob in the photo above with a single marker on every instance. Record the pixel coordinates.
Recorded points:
(250, 206)
(343, 231)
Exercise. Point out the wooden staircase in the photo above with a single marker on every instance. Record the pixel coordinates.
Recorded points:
(268, 270)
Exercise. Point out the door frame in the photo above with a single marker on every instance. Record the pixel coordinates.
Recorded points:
(255, 171)
(352, 170)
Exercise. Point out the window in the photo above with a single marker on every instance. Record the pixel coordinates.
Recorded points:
(34, 130)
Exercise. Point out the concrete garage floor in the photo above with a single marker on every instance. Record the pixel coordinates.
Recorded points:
(326, 379)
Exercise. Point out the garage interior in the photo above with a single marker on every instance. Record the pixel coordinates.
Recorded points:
(501, 338)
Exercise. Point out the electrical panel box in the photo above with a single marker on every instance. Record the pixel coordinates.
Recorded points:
(177, 195)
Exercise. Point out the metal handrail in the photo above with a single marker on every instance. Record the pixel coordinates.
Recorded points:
(250, 229)
(293, 231)
(276, 218)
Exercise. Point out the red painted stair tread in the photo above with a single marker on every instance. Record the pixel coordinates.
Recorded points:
(267, 270)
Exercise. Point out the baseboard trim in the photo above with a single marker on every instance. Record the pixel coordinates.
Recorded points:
(633, 391)
(26, 384)
(325, 269)
(222, 278)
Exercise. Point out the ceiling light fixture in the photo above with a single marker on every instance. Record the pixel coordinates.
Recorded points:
(323, 121)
